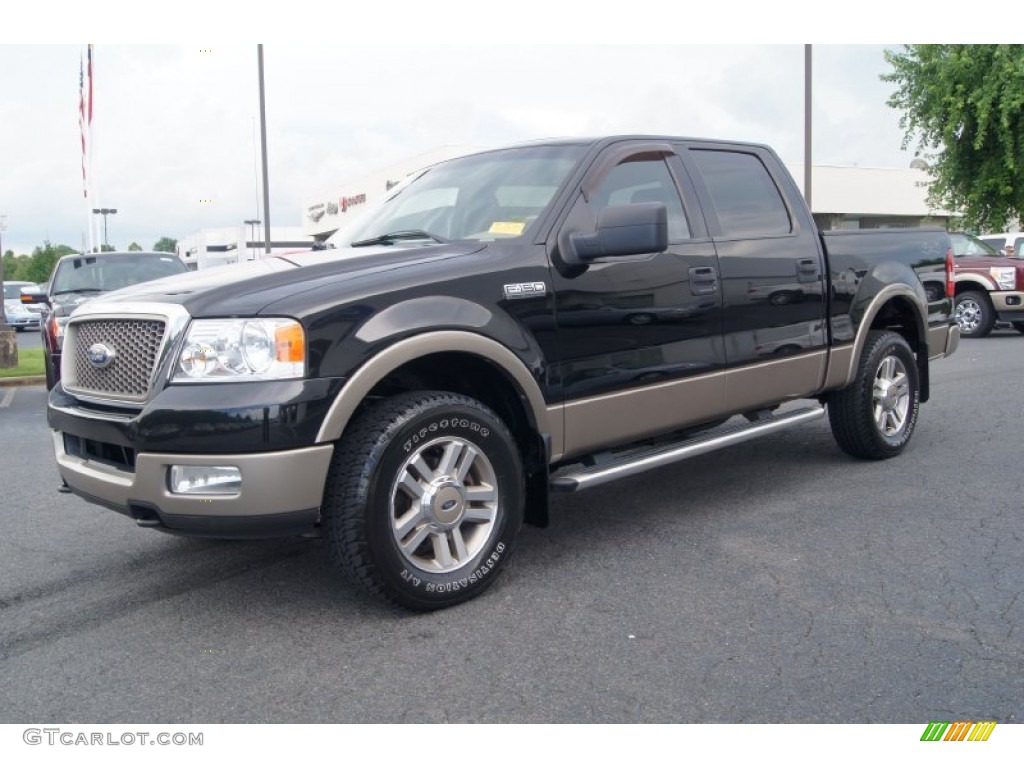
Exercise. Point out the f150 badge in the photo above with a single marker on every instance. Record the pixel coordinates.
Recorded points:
(525, 290)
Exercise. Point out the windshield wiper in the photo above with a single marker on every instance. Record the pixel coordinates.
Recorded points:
(404, 234)
(80, 290)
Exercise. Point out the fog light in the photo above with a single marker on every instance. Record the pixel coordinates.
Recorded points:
(204, 481)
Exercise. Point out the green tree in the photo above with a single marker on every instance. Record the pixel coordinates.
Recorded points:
(166, 244)
(16, 267)
(133, 246)
(43, 258)
(963, 106)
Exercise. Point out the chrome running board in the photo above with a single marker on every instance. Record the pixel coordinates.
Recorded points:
(651, 458)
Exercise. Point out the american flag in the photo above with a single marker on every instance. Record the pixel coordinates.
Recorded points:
(81, 117)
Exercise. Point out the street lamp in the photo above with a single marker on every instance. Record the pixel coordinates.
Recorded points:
(253, 223)
(104, 212)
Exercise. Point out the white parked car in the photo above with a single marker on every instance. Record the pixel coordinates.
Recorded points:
(20, 316)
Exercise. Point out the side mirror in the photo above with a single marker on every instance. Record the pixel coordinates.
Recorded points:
(622, 230)
(35, 297)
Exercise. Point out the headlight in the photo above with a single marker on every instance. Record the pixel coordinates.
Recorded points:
(1004, 277)
(242, 350)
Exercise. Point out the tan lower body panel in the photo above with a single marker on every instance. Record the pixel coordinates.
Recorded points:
(596, 422)
(943, 341)
(762, 384)
(617, 418)
(999, 301)
(272, 483)
(840, 366)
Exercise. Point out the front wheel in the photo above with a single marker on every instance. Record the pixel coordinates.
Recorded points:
(874, 417)
(424, 499)
(974, 314)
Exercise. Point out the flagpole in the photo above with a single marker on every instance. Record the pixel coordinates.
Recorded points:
(93, 180)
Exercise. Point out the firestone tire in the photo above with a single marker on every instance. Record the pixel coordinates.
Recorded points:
(974, 314)
(424, 499)
(874, 417)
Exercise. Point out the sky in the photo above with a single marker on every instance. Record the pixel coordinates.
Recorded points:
(175, 126)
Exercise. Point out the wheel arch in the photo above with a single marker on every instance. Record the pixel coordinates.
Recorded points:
(897, 308)
(472, 365)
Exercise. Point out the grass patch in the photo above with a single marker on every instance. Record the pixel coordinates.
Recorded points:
(30, 363)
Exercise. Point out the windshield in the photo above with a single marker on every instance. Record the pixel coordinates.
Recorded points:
(966, 245)
(101, 272)
(481, 197)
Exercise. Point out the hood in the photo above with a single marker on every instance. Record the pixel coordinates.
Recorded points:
(240, 290)
(984, 261)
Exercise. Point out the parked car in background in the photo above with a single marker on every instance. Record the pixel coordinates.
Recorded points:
(13, 289)
(20, 316)
(1008, 243)
(989, 287)
(81, 277)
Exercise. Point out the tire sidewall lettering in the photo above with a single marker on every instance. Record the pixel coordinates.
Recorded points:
(444, 426)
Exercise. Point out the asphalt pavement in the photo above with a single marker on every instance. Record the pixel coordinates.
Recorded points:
(30, 339)
(778, 581)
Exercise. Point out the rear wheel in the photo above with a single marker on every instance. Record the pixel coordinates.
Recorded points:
(424, 499)
(974, 314)
(874, 417)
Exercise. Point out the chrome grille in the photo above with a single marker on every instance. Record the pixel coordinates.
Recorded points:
(135, 343)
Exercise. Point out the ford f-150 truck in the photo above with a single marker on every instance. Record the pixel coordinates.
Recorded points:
(543, 317)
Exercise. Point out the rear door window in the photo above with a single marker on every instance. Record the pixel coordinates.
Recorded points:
(746, 200)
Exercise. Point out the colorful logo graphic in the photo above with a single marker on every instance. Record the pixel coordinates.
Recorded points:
(962, 730)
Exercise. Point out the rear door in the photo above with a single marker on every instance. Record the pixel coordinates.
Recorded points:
(772, 273)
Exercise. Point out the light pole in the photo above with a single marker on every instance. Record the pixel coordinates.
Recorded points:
(104, 212)
(253, 223)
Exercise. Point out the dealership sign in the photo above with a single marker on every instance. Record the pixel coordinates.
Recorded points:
(332, 208)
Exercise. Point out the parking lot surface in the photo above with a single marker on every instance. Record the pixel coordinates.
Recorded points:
(776, 581)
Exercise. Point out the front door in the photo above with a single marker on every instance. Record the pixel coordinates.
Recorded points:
(639, 337)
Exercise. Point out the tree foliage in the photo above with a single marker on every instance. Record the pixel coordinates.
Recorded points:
(963, 107)
(16, 267)
(134, 246)
(166, 244)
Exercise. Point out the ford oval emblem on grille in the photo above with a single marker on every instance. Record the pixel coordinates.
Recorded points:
(100, 355)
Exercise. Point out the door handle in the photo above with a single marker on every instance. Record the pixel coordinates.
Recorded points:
(703, 280)
(807, 266)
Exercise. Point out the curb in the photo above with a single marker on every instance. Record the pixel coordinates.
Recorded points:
(22, 381)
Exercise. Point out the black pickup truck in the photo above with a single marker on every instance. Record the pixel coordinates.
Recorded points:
(543, 317)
